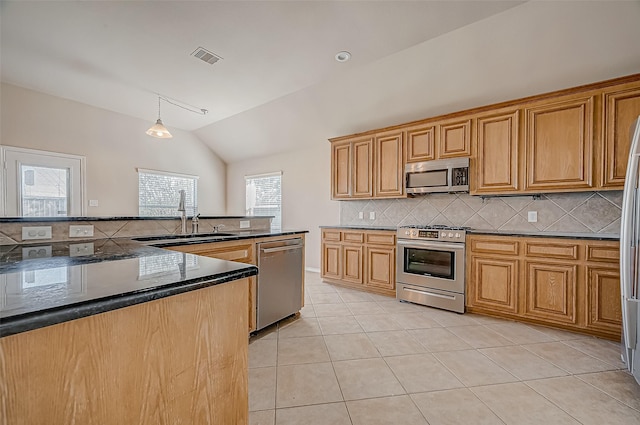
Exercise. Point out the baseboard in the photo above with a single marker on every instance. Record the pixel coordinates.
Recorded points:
(312, 269)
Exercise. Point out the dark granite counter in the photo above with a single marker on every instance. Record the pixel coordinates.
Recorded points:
(44, 284)
(176, 240)
(567, 235)
(131, 218)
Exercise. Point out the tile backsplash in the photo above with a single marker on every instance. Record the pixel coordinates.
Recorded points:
(584, 212)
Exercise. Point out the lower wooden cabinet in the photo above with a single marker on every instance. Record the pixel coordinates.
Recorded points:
(566, 283)
(362, 259)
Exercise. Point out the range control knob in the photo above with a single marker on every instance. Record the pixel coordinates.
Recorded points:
(406, 233)
(458, 235)
(450, 234)
(414, 233)
(443, 234)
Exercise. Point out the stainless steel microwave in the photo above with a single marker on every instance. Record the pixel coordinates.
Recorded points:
(442, 175)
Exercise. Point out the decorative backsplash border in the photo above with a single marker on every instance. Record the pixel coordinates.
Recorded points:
(580, 212)
(11, 232)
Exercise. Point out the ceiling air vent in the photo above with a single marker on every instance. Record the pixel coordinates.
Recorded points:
(206, 56)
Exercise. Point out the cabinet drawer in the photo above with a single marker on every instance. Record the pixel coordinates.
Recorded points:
(491, 246)
(353, 237)
(381, 238)
(331, 235)
(552, 250)
(606, 253)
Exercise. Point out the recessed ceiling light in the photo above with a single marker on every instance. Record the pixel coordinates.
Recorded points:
(343, 56)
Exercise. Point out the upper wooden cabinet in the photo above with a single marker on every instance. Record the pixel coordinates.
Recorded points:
(352, 169)
(497, 147)
(559, 144)
(368, 167)
(455, 138)
(567, 141)
(421, 143)
(621, 109)
(389, 171)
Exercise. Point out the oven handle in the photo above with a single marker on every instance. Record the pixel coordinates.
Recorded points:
(437, 245)
(431, 294)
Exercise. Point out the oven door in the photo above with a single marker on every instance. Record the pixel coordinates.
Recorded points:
(438, 265)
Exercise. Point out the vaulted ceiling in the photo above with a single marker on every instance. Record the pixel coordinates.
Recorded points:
(278, 86)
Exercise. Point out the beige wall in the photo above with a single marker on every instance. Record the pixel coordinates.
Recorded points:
(114, 145)
(306, 191)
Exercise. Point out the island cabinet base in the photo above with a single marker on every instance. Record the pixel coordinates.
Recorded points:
(176, 360)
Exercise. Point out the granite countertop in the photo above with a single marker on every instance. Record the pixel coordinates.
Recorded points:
(44, 284)
(128, 218)
(175, 240)
(568, 235)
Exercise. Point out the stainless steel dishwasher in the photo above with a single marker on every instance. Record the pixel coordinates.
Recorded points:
(279, 280)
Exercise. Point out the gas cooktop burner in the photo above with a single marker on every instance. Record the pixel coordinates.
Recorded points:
(434, 227)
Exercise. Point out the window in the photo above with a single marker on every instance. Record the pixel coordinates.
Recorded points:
(159, 193)
(264, 196)
(43, 184)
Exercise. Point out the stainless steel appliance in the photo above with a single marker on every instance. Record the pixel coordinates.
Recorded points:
(279, 284)
(443, 175)
(430, 267)
(630, 257)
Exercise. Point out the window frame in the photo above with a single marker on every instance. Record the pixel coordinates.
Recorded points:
(169, 174)
(265, 175)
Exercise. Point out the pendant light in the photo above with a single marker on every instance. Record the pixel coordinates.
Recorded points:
(158, 130)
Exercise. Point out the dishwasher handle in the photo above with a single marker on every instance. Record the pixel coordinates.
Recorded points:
(281, 248)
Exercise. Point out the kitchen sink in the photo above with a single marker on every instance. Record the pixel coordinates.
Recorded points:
(181, 237)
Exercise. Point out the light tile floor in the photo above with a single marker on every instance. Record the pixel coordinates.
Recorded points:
(354, 358)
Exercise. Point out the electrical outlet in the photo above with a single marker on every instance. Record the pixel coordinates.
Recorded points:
(82, 231)
(372, 215)
(532, 216)
(80, 249)
(36, 232)
(245, 224)
(361, 215)
(93, 202)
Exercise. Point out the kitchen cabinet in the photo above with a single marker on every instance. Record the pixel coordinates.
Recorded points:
(455, 138)
(497, 146)
(420, 143)
(559, 144)
(368, 167)
(621, 108)
(389, 170)
(565, 283)
(361, 259)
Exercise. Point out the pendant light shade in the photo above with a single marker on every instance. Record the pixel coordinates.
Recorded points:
(158, 130)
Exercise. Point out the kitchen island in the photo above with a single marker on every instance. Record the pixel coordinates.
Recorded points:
(112, 332)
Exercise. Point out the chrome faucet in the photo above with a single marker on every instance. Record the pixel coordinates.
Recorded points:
(195, 221)
(183, 211)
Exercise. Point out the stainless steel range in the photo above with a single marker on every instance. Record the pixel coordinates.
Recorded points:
(431, 266)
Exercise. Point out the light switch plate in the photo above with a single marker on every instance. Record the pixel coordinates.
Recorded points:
(372, 215)
(245, 224)
(532, 216)
(80, 231)
(93, 202)
(361, 215)
(36, 232)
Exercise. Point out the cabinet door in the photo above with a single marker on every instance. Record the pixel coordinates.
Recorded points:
(341, 171)
(381, 267)
(362, 168)
(604, 311)
(551, 291)
(494, 283)
(622, 108)
(421, 143)
(352, 264)
(388, 171)
(331, 258)
(559, 145)
(497, 156)
(455, 139)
